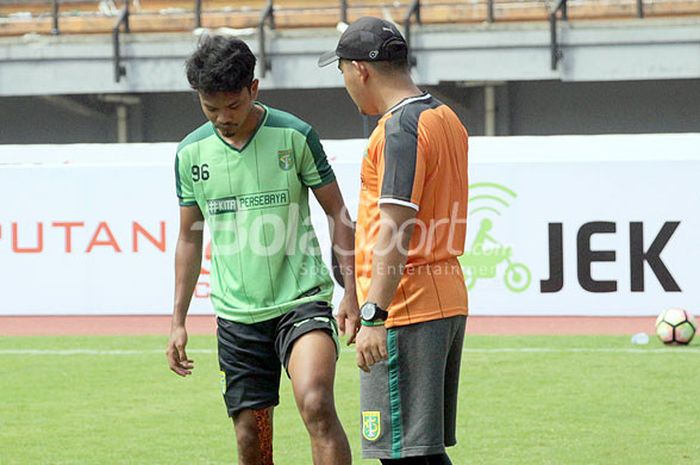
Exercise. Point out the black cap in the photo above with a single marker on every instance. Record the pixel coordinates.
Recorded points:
(368, 39)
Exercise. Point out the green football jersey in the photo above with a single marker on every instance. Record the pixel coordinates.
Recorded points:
(265, 255)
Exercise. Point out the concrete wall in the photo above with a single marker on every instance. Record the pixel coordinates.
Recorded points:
(522, 108)
(552, 107)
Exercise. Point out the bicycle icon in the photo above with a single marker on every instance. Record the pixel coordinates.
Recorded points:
(479, 263)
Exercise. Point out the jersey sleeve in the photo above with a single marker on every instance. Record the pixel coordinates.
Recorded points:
(314, 169)
(402, 165)
(183, 181)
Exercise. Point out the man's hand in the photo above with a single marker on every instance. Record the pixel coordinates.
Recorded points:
(348, 316)
(371, 346)
(177, 357)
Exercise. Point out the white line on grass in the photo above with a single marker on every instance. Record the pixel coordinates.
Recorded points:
(95, 352)
(584, 350)
(523, 350)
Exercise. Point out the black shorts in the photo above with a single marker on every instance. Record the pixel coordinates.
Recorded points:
(251, 356)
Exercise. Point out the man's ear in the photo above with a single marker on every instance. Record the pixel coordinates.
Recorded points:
(362, 70)
(254, 89)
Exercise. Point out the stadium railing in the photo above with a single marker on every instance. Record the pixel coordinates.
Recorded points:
(18, 17)
(122, 22)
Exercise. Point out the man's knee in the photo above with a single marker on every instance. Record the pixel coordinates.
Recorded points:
(246, 429)
(316, 409)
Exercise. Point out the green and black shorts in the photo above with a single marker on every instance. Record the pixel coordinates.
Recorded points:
(251, 356)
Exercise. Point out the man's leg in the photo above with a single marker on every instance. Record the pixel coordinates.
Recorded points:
(250, 373)
(254, 436)
(311, 368)
(441, 459)
(405, 461)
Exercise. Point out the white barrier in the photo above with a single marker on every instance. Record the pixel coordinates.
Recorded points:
(579, 225)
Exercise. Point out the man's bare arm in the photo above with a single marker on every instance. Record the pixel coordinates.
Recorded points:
(343, 239)
(388, 259)
(188, 263)
(390, 252)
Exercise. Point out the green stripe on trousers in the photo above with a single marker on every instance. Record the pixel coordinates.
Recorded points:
(394, 394)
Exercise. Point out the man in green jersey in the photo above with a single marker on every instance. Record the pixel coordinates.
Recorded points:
(248, 172)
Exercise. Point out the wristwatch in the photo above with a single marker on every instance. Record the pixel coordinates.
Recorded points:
(372, 315)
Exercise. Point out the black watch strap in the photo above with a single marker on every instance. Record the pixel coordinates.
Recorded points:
(381, 315)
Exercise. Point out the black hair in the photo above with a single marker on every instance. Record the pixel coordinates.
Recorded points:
(220, 64)
(392, 66)
(398, 66)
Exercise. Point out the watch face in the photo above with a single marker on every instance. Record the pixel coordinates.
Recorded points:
(367, 312)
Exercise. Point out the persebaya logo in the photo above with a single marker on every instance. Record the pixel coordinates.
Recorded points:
(285, 159)
(371, 425)
(482, 260)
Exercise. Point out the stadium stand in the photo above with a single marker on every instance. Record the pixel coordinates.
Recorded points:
(19, 17)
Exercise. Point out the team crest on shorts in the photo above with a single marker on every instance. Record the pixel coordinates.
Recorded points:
(371, 425)
(285, 159)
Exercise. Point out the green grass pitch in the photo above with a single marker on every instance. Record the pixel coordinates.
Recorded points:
(524, 400)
